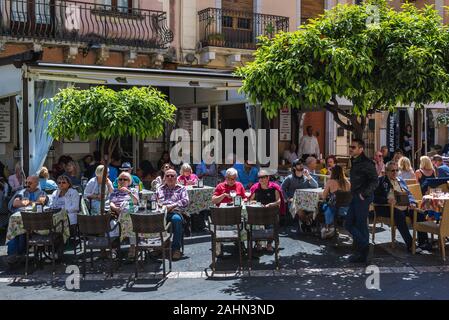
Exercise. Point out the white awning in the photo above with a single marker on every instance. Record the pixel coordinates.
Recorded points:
(133, 76)
(11, 81)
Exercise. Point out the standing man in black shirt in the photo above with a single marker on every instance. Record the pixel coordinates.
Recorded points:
(363, 183)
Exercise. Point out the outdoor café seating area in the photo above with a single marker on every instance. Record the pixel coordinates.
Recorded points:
(136, 227)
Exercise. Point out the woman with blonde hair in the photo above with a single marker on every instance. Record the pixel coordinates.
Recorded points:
(44, 180)
(425, 171)
(405, 169)
(186, 177)
(16, 181)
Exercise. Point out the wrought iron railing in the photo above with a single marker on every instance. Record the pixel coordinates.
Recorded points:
(237, 29)
(73, 21)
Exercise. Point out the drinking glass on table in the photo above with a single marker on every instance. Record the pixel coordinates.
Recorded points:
(25, 201)
(247, 194)
(42, 199)
(233, 194)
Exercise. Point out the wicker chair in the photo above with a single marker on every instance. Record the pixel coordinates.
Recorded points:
(152, 223)
(226, 216)
(261, 216)
(94, 232)
(33, 222)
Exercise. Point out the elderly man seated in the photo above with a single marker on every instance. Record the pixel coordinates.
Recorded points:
(384, 194)
(21, 199)
(223, 190)
(300, 178)
(176, 199)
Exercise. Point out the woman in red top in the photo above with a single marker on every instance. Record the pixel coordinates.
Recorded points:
(186, 177)
(222, 193)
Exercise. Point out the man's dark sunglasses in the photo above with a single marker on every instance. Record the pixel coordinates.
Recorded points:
(263, 177)
(352, 147)
(123, 179)
(170, 175)
(393, 170)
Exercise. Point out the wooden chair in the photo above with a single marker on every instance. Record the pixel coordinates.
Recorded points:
(152, 223)
(441, 229)
(94, 231)
(32, 223)
(261, 216)
(401, 201)
(226, 216)
(410, 181)
(415, 190)
(444, 187)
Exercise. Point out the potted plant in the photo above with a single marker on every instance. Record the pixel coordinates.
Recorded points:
(216, 39)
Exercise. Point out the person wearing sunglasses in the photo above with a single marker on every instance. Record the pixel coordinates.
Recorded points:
(300, 178)
(65, 197)
(269, 194)
(31, 193)
(364, 180)
(176, 199)
(21, 199)
(384, 194)
(223, 190)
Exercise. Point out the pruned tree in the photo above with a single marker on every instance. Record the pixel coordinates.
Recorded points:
(370, 54)
(107, 115)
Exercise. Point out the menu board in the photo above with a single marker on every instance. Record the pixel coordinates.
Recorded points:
(285, 124)
(186, 118)
(5, 123)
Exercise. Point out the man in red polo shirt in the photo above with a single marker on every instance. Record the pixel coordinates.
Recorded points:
(222, 191)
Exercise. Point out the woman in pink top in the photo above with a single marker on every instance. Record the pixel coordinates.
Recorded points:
(186, 177)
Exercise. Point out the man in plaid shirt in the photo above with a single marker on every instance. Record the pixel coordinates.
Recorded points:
(176, 199)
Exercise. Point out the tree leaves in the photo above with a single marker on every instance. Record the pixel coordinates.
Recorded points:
(102, 113)
(401, 60)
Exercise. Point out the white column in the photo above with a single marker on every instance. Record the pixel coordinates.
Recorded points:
(257, 6)
(298, 13)
(31, 125)
(19, 102)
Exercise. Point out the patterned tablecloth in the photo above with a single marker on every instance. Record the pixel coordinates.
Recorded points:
(199, 199)
(15, 226)
(305, 199)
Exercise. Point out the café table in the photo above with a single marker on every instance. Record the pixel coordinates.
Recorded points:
(199, 198)
(307, 200)
(433, 204)
(15, 225)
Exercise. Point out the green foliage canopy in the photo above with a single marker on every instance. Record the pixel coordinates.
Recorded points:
(102, 113)
(376, 57)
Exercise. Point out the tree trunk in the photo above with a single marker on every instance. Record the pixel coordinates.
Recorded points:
(111, 147)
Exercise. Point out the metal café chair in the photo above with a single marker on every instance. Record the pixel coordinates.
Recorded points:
(262, 216)
(225, 216)
(95, 234)
(34, 222)
(150, 224)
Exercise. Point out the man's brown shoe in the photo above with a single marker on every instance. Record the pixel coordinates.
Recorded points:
(176, 255)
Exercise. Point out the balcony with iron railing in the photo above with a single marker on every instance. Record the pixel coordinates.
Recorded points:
(82, 22)
(237, 29)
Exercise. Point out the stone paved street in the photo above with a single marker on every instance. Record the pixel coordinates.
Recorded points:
(310, 269)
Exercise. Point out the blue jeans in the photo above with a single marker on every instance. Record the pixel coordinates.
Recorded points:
(176, 221)
(17, 245)
(357, 221)
(330, 211)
